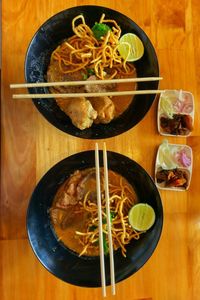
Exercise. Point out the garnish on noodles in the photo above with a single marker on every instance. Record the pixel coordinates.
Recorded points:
(74, 213)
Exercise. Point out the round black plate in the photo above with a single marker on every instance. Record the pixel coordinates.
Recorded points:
(51, 34)
(65, 264)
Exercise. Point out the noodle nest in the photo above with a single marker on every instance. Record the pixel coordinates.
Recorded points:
(122, 198)
(83, 51)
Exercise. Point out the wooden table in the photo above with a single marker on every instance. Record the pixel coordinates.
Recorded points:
(30, 146)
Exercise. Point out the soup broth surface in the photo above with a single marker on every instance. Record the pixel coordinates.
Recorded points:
(66, 214)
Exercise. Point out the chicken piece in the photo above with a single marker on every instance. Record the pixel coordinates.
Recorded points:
(105, 109)
(79, 110)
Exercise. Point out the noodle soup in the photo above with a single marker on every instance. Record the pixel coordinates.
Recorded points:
(74, 212)
(39, 58)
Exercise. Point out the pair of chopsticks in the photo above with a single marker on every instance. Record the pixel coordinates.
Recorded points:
(98, 186)
(84, 82)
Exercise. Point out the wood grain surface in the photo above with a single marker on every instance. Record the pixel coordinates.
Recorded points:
(30, 146)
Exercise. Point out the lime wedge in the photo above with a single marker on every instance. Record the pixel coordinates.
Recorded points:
(141, 216)
(130, 47)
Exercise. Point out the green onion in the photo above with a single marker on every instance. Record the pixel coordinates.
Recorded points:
(85, 76)
(105, 244)
(90, 72)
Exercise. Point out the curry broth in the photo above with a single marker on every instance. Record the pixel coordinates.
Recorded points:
(67, 235)
(122, 102)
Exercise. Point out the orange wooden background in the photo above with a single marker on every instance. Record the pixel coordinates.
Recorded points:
(30, 146)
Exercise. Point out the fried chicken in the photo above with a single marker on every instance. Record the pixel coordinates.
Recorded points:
(80, 111)
(105, 109)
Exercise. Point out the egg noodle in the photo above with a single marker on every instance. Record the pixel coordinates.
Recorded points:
(83, 50)
(122, 199)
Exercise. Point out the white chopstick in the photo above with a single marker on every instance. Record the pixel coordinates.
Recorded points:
(98, 187)
(83, 82)
(75, 95)
(106, 187)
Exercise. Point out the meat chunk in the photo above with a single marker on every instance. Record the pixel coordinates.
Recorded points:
(66, 195)
(98, 88)
(66, 200)
(63, 218)
(54, 74)
(68, 217)
(80, 111)
(105, 109)
(88, 183)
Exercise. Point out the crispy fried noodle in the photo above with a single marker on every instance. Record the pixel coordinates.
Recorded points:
(84, 50)
(121, 200)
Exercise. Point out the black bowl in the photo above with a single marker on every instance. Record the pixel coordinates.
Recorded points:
(62, 262)
(51, 34)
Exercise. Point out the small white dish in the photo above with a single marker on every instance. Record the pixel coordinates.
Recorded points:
(173, 167)
(175, 116)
